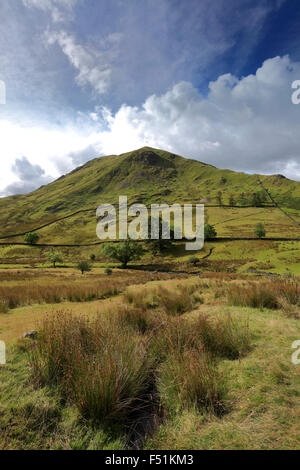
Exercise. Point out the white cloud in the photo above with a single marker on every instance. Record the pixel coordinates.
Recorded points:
(48, 147)
(60, 10)
(94, 66)
(247, 124)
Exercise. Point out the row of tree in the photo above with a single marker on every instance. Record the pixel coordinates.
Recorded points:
(130, 250)
(256, 199)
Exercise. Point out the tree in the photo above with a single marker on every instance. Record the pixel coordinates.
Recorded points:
(259, 230)
(123, 251)
(209, 232)
(219, 198)
(84, 267)
(256, 199)
(32, 238)
(160, 244)
(243, 199)
(55, 257)
(193, 260)
(232, 200)
(92, 257)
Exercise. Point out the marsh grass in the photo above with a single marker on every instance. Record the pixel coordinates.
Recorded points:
(270, 294)
(68, 288)
(173, 299)
(106, 365)
(191, 380)
(99, 367)
(224, 336)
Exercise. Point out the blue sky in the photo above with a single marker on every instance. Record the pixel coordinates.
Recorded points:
(208, 80)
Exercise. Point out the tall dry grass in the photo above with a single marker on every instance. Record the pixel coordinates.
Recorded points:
(191, 380)
(55, 292)
(172, 299)
(72, 290)
(99, 367)
(268, 294)
(106, 366)
(225, 336)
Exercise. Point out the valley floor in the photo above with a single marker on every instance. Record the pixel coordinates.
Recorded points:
(261, 406)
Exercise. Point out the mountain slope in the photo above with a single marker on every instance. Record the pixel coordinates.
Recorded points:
(146, 175)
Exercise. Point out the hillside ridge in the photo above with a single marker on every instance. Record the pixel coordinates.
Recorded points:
(146, 175)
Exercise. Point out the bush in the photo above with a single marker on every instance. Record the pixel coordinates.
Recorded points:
(193, 260)
(107, 271)
(259, 231)
(32, 238)
(92, 257)
(84, 267)
(209, 232)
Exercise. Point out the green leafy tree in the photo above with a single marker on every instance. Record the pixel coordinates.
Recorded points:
(243, 199)
(124, 251)
(256, 199)
(160, 244)
(219, 198)
(209, 232)
(232, 200)
(259, 230)
(55, 257)
(32, 238)
(84, 267)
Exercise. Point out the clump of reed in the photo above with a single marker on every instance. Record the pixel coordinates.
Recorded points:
(267, 294)
(100, 367)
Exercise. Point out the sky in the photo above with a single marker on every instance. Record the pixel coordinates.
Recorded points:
(206, 80)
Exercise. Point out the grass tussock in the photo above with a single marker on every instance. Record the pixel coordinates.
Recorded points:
(106, 366)
(140, 320)
(27, 294)
(66, 290)
(175, 299)
(191, 380)
(102, 369)
(265, 294)
(225, 336)
(111, 366)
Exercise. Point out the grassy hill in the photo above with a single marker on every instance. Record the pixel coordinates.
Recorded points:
(178, 359)
(146, 175)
